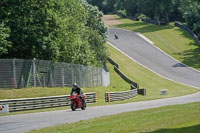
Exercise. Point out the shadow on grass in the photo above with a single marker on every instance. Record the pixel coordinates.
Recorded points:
(191, 129)
(191, 57)
(144, 27)
(185, 34)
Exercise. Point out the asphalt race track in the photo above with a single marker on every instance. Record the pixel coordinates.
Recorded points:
(152, 58)
(139, 50)
(26, 122)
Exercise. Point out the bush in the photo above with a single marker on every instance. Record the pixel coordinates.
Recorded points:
(4, 43)
(122, 13)
(140, 16)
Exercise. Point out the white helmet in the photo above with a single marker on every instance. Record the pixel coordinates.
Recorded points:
(75, 85)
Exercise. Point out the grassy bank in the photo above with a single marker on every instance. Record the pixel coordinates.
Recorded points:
(146, 79)
(173, 40)
(177, 119)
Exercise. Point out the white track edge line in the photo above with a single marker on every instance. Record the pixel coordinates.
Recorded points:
(149, 68)
(159, 49)
(145, 38)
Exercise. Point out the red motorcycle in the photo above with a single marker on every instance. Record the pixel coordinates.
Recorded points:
(77, 102)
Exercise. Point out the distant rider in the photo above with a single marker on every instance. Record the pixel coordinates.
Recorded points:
(116, 37)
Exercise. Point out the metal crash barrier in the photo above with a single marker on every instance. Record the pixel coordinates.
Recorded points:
(24, 104)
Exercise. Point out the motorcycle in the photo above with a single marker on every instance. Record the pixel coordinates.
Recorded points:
(77, 102)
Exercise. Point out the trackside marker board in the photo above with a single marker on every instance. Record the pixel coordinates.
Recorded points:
(4, 109)
(163, 92)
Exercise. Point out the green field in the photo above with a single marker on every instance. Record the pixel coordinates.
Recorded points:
(146, 79)
(170, 119)
(172, 40)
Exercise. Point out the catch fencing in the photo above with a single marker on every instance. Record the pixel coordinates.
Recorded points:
(21, 73)
(24, 104)
(160, 23)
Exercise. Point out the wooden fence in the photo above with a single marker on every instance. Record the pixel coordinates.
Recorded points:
(43, 102)
(118, 96)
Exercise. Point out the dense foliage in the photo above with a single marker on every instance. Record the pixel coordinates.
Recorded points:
(187, 11)
(59, 30)
(4, 43)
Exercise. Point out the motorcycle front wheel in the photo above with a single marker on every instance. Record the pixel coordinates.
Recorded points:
(84, 105)
(73, 107)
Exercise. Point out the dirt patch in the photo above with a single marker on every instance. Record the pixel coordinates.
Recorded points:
(110, 20)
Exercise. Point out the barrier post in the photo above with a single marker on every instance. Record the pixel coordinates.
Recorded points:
(108, 96)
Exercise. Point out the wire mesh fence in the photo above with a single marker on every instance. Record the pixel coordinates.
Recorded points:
(21, 73)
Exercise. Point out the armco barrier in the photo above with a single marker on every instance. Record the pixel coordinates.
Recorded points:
(113, 62)
(118, 96)
(43, 102)
(182, 26)
(139, 91)
(123, 76)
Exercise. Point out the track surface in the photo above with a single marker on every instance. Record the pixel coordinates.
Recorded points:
(152, 58)
(27, 122)
(139, 50)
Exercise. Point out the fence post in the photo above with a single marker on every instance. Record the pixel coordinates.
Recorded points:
(14, 74)
(34, 73)
(51, 78)
(79, 75)
(63, 77)
(29, 76)
(92, 77)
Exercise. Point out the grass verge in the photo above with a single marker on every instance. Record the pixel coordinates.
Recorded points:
(176, 119)
(146, 79)
(172, 40)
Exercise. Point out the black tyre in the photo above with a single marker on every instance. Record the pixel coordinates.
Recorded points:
(84, 105)
(73, 107)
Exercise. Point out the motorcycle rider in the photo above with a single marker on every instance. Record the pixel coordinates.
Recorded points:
(77, 90)
(116, 37)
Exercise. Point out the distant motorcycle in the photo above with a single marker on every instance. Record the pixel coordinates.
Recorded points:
(77, 102)
(116, 37)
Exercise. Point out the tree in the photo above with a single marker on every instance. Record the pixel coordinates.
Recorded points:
(97, 3)
(4, 43)
(191, 14)
(93, 19)
(51, 30)
(96, 32)
(131, 7)
(108, 6)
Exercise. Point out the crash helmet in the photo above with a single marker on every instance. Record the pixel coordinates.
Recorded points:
(75, 85)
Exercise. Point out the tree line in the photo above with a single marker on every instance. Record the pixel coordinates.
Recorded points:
(59, 30)
(186, 11)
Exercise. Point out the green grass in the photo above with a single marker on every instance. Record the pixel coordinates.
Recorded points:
(171, 119)
(146, 79)
(173, 40)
